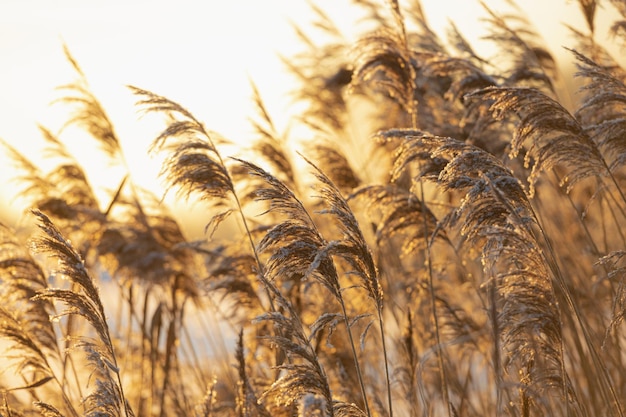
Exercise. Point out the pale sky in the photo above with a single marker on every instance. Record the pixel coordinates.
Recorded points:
(199, 53)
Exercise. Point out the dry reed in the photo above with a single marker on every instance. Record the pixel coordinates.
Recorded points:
(475, 268)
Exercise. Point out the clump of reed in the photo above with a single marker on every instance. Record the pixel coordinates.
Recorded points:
(461, 252)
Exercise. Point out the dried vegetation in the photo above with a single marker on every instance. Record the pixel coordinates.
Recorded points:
(463, 257)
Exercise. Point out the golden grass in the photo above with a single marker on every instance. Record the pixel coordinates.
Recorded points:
(474, 267)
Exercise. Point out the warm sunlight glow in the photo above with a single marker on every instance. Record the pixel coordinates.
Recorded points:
(313, 208)
(191, 52)
(199, 55)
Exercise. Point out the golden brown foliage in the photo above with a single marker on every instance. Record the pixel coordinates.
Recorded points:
(463, 254)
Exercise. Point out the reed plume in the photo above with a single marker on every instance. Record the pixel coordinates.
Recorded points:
(461, 254)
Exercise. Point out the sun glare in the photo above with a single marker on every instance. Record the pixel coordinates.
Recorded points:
(194, 53)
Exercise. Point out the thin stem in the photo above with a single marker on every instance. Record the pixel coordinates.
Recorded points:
(552, 265)
(388, 379)
(619, 191)
(354, 354)
(241, 215)
(611, 396)
(493, 315)
(252, 246)
(431, 289)
(68, 359)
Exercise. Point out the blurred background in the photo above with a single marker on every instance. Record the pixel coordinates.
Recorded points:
(200, 54)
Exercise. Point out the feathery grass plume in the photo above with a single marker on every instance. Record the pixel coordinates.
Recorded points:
(423, 39)
(322, 73)
(602, 109)
(89, 113)
(272, 146)
(549, 135)
(586, 44)
(333, 162)
(33, 351)
(403, 227)
(71, 266)
(66, 195)
(145, 243)
(428, 303)
(230, 273)
(46, 410)
(248, 403)
(352, 247)
(63, 193)
(452, 115)
(31, 361)
(294, 243)
(302, 374)
(530, 64)
(71, 200)
(495, 216)
(398, 213)
(343, 155)
(354, 250)
(428, 92)
(558, 139)
(38, 186)
(298, 379)
(333, 100)
(461, 45)
(21, 277)
(616, 273)
(383, 61)
(108, 395)
(374, 10)
(384, 64)
(465, 76)
(145, 251)
(588, 8)
(70, 176)
(195, 163)
(297, 249)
